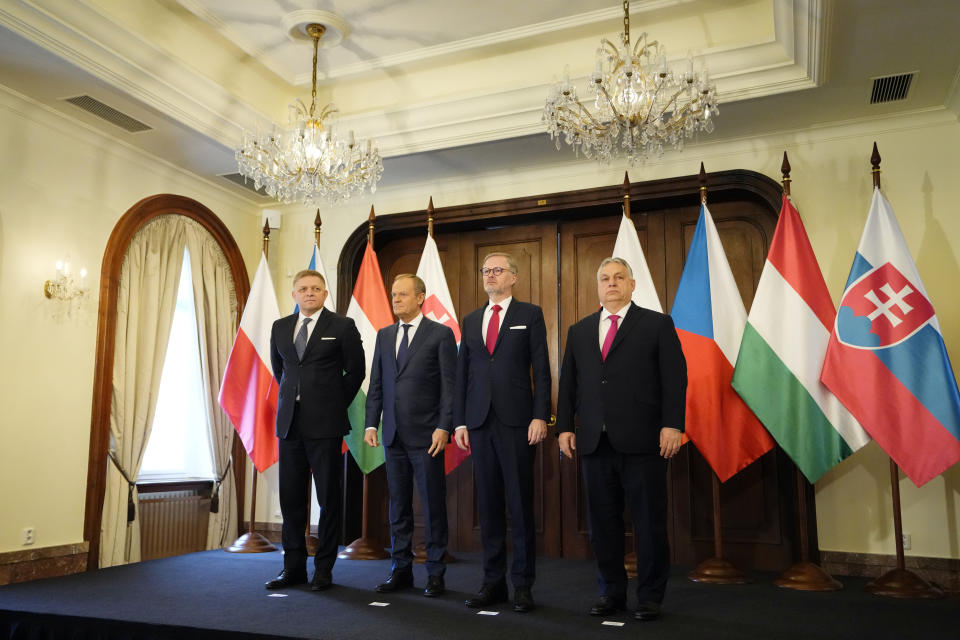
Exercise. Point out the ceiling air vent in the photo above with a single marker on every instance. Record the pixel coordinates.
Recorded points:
(246, 183)
(108, 113)
(891, 88)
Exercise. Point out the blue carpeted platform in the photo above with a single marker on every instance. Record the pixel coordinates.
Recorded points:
(214, 593)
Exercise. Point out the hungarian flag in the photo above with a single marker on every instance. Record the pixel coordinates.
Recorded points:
(438, 306)
(710, 318)
(248, 394)
(628, 247)
(782, 351)
(370, 310)
(886, 359)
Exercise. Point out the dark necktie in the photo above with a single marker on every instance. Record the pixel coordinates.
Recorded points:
(493, 328)
(402, 349)
(300, 342)
(611, 334)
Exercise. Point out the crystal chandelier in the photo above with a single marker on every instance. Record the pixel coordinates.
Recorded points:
(639, 104)
(307, 161)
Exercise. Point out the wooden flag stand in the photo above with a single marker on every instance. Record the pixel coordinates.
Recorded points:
(251, 541)
(899, 582)
(803, 575)
(368, 546)
(716, 570)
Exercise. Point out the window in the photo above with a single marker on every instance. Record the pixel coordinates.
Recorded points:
(179, 445)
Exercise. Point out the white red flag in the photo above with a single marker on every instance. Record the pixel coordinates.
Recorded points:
(248, 394)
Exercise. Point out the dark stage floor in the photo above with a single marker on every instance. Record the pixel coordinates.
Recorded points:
(214, 591)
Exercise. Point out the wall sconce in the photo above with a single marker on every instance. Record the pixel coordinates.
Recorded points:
(64, 286)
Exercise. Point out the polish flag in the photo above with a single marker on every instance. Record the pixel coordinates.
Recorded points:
(249, 391)
(438, 306)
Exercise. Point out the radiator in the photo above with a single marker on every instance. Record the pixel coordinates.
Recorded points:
(173, 523)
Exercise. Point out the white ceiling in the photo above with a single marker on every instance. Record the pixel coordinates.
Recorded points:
(430, 78)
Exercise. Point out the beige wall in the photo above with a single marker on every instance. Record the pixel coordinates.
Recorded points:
(832, 189)
(62, 189)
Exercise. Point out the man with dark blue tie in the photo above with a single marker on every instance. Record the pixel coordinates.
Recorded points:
(317, 357)
(501, 417)
(411, 386)
(625, 376)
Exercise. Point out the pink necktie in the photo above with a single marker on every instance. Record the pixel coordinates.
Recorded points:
(493, 327)
(611, 334)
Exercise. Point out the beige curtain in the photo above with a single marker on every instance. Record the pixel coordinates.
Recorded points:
(146, 299)
(216, 303)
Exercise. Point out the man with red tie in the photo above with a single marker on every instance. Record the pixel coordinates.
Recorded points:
(501, 418)
(625, 376)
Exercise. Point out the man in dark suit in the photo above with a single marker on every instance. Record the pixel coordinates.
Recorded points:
(317, 358)
(625, 376)
(411, 384)
(501, 417)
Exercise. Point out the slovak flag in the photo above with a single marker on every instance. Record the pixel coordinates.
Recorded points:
(710, 319)
(438, 306)
(248, 394)
(886, 360)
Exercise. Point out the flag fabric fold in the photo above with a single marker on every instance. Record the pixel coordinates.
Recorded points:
(710, 319)
(886, 359)
(778, 367)
(628, 247)
(438, 306)
(248, 394)
(370, 310)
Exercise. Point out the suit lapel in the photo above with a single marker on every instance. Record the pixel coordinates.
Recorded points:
(389, 345)
(593, 321)
(508, 316)
(418, 337)
(322, 320)
(629, 322)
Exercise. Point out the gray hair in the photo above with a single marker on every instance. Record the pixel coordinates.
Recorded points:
(619, 261)
(511, 263)
(418, 284)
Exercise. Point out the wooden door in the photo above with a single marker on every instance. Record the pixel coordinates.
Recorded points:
(535, 249)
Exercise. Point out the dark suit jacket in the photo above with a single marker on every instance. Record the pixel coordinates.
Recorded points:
(638, 390)
(502, 380)
(418, 398)
(329, 376)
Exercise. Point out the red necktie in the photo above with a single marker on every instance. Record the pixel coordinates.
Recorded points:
(611, 334)
(493, 328)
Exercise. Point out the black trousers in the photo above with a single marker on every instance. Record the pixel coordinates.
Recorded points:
(298, 456)
(610, 477)
(405, 465)
(503, 477)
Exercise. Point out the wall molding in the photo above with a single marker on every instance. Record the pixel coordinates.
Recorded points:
(942, 572)
(44, 562)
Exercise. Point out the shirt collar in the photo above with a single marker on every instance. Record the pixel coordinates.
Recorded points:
(415, 323)
(503, 303)
(314, 317)
(604, 314)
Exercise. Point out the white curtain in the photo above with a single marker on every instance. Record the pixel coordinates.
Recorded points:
(146, 300)
(216, 304)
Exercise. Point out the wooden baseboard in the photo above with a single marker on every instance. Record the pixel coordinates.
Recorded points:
(942, 572)
(45, 562)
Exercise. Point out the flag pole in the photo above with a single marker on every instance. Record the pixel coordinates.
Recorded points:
(716, 570)
(251, 541)
(313, 543)
(368, 546)
(420, 551)
(803, 575)
(899, 582)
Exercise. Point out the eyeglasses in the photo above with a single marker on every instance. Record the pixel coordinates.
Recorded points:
(485, 271)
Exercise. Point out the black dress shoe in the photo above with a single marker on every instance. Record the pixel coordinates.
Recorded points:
(607, 606)
(647, 611)
(491, 593)
(322, 580)
(396, 581)
(435, 587)
(287, 578)
(523, 600)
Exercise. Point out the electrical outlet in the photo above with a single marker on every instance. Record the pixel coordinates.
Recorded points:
(906, 541)
(28, 535)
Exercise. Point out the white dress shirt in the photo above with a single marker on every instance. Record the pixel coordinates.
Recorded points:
(410, 332)
(489, 312)
(605, 321)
